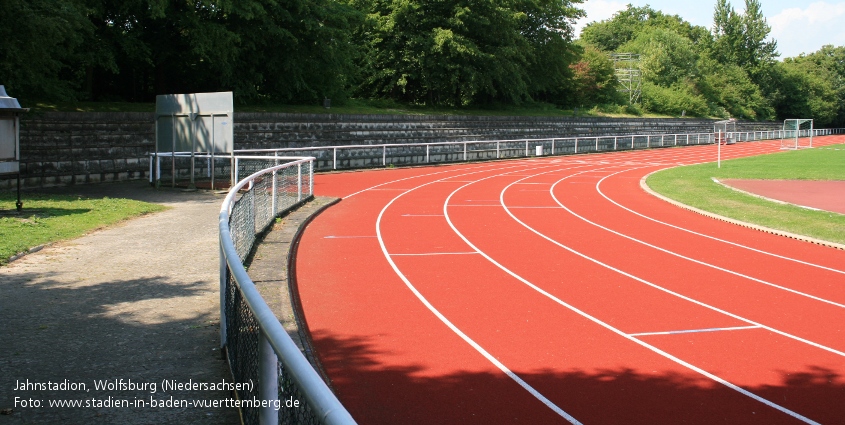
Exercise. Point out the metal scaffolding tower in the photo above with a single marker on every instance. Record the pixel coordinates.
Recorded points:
(627, 68)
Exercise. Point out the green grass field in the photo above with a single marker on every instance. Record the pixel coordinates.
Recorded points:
(693, 185)
(60, 217)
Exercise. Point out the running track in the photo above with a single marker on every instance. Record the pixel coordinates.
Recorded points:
(556, 290)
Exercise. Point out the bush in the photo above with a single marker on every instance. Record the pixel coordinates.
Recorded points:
(673, 101)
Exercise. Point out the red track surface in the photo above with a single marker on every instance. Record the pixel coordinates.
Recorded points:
(824, 195)
(556, 289)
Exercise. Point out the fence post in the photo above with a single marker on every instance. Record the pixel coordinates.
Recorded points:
(334, 158)
(426, 152)
(298, 182)
(526, 148)
(311, 178)
(224, 278)
(497, 150)
(465, 151)
(632, 142)
(576, 145)
(268, 382)
(384, 156)
(553, 146)
(597, 144)
(236, 171)
(615, 139)
(273, 176)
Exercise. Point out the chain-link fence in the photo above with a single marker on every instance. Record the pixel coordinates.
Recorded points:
(258, 349)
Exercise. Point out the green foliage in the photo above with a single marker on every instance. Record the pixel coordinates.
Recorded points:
(628, 24)
(593, 80)
(40, 41)
(805, 90)
(731, 93)
(673, 100)
(666, 57)
(465, 52)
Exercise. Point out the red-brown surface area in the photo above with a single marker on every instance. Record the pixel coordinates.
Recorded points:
(555, 290)
(828, 195)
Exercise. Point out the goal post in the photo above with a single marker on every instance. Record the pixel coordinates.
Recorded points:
(797, 133)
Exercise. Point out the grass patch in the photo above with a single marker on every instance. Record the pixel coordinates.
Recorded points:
(357, 106)
(693, 185)
(60, 217)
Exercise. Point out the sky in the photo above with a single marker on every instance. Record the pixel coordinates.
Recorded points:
(799, 26)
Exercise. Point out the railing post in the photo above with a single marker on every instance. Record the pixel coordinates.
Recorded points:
(632, 142)
(426, 153)
(298, 182)
(647, 141)
(615, 140)
(273, 176)
(334, 158)
(268, 382)
(384, 156)
(497, 150)
(553, 146)
(465, 151)
(526, 148)
(311, 177)
(675, 143)
(235, 170)
(597, 144)
(224, 278)
(576, 145)
(661, 140)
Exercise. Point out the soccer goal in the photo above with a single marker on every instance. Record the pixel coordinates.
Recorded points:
(724, 132)
(797, 134)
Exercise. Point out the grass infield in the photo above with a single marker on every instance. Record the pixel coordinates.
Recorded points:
(693, 185)
(51, 218)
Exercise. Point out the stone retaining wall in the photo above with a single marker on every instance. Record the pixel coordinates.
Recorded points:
(63, 148)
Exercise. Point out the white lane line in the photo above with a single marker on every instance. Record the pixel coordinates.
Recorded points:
(760, 251)
(553, 207)
(713, 266)
(504, 369)
(601, 323)
(688, 331)
(668, 291)
(346, 237)
(434, 253)
(483, 166)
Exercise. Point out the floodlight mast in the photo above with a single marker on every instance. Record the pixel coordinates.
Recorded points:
(627, 69)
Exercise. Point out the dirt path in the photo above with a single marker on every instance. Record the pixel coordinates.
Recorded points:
(137, 302)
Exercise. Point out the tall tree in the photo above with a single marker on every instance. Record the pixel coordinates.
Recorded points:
(40, 45)
(465, 51)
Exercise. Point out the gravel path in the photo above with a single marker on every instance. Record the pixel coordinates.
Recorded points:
(137, 302)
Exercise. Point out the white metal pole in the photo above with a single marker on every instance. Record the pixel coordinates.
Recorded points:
(299, 182)
(268, 383)
(719, 150)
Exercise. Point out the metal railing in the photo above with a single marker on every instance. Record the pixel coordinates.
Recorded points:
(383, 155)
(245, 161)
(258, 349)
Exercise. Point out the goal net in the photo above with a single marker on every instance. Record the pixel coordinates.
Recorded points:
(797, 134)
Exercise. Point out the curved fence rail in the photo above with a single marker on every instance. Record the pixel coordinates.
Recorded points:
(282, 387)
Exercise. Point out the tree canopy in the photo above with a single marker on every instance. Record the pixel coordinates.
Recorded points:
(424, 52)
